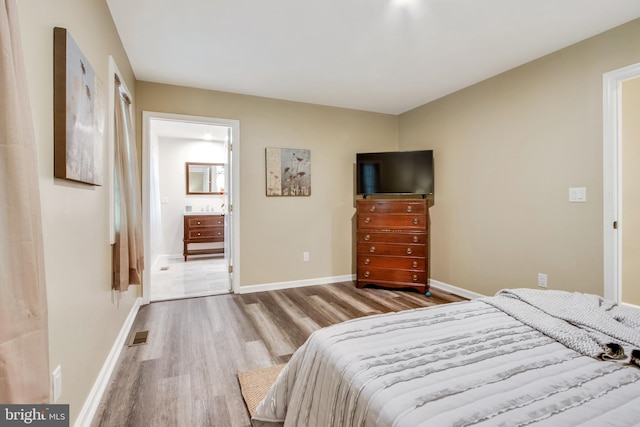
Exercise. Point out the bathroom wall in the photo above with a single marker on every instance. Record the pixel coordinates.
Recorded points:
(173, 153)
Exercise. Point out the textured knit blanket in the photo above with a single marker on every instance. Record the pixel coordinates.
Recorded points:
(585, 323)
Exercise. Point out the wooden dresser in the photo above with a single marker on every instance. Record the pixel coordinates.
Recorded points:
(203, 229)
(393, 243)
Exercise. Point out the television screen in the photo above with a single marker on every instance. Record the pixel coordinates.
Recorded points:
(400, 172)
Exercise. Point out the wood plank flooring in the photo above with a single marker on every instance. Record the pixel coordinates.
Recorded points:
(186, 375)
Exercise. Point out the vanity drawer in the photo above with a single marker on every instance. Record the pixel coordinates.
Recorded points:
(205, 221)
(207, 233)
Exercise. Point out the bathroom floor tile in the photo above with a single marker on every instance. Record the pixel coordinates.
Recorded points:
(173, 278)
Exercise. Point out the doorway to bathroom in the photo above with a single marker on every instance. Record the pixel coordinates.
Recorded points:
(621, 203)
(189, 206)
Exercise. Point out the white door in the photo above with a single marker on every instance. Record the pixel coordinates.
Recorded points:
(228, 208)
(621, 184)
(630, 193)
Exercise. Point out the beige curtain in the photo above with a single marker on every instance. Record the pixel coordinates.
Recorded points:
(128, 256)
(24, 348)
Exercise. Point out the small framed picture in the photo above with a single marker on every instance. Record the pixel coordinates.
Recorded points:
(288, 172)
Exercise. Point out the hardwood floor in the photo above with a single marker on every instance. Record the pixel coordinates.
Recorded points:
(186, 374)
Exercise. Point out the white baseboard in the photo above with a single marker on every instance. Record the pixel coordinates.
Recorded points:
(294, 284)
(95, 395)
(347, 278)
(455, 290)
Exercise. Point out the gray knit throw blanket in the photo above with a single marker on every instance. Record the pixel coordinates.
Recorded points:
(585, 323)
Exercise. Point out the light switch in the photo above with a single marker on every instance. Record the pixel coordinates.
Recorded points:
(578, 194)
(164, 200)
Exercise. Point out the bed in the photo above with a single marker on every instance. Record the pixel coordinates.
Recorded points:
(523, 357)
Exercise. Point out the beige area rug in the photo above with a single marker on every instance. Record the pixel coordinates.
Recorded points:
(255, 384)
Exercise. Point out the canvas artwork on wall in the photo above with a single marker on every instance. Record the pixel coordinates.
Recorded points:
(78, 113)
(288, 172)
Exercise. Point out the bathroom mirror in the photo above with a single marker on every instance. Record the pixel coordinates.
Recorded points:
(205, 178)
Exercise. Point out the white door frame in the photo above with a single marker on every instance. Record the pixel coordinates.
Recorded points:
(612, 176)
(234, 224)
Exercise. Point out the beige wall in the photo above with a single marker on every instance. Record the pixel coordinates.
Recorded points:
(506, 152)
(275, 231)
(631, 191)
(507, 149)
(83, 318)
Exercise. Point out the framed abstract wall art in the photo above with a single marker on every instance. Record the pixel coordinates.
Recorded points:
(79, 117)
(288, 172)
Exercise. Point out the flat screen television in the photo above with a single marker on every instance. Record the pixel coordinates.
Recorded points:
(396, 172)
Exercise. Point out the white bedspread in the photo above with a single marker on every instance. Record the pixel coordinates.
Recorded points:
(456, 365)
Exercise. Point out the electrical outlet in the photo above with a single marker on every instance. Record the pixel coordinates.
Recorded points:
(542, 280)
(305, 256)
(57, 383)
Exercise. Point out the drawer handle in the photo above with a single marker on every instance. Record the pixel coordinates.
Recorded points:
(416, 221)
(372, 249)
(415, 239)
(198, 234)
(367, 237)
(415, 277)
(409, 251)
(409, 209)
(367, 273)
(198, 222)
(367, 261)
(219, 233)
(414, 264)
(367, 220)
(372, 209)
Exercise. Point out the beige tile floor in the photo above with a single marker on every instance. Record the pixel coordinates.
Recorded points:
(173, 278)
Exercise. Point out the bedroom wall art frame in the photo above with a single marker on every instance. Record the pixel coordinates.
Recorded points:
(288, 172)
(78, 113)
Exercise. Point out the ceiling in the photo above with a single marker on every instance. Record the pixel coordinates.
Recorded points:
(187, 130)
(385, 56)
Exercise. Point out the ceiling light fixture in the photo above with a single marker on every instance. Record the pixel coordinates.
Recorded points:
(402, 3)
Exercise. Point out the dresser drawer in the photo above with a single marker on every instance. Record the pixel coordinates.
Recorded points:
(388, 275)
(392, 221)
(392, 206)
(399, 263)
(391, 249)
(392, 237)
(205, 221)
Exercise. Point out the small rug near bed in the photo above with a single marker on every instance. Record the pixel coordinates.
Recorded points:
(255, 384)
